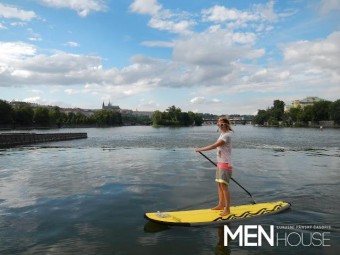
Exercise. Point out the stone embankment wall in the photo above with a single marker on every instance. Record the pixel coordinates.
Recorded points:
(14, 139)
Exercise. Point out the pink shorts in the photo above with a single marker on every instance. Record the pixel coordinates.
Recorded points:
(224, 166)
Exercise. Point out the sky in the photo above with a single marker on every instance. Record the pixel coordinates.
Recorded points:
(220, 57)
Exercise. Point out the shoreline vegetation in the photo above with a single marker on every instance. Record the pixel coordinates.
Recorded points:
(24, 116)
(323, 114)
(174, 117)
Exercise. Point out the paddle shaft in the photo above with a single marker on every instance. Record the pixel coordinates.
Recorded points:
(230, 177)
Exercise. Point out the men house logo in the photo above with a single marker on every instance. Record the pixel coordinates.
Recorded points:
(256, 235)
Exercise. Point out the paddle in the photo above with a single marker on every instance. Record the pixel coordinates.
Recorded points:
(231, 178)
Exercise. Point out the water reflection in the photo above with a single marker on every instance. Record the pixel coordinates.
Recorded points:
(153, 227)
(220, 248)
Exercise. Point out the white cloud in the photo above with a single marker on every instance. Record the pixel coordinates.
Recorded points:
(222, 14)
(18, 24)
(44, 101)
(266, 11)
(259, 12)
(34, 37)
(259, 16)
(213, 62)
(71, 91)
(15, 50)
(36, 100)
(118, 91)
(21, 65)
(72, 44)
(180, 27)
(327, 6)
(82, 7)
(197, 100)
(150, 7)
(202, 100)
(21, 73)
(19, 60)
(2, 27)
(12, 12)
(158, 44)
(314, 66)
(217, 49)
(320, 57)
(37, 91)
(163, 19)
(148, 105)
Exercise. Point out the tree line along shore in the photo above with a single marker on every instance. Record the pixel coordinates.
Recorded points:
(320, 113)
(24, 115)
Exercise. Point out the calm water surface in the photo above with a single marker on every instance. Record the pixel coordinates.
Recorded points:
(89, 196)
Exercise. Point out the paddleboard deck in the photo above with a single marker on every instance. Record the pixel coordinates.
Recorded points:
(212, 217)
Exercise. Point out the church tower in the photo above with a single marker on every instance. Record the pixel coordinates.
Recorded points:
(110, 106)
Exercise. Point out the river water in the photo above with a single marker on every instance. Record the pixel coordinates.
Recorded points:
(89, 196)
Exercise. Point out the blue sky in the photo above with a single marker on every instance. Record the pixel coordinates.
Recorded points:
(221, 57)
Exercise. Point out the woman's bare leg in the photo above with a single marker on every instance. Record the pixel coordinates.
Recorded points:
(226, 197)
(221, 200)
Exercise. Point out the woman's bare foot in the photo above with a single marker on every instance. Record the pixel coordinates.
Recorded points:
(218, 207)
(225, 212)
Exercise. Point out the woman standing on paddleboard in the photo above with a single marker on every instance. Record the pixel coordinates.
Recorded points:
(224, 166)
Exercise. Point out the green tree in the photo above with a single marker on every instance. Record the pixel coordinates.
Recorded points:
(24, 115)
(174, 113)
(63, 117)
(198, 119)
(6, 112)
(277, 110)
(306, 114)
(107, 118)
(294, 113)
(41, 116)
(184, 119)
(55, 116)
(321, 110)
(261, 117)
(71, 118)
(173, 116)
(334, 111)
(156, 118)
(291, 117)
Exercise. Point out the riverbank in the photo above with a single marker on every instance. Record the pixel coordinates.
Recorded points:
(15, 139)
(310, 124)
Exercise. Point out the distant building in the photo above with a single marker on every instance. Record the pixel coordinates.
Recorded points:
(303, 103)
(126, 112)
(110, 107)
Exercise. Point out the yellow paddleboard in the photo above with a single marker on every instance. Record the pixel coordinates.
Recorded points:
(209, 217)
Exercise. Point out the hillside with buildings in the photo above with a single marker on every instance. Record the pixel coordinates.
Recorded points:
(307, 112)
(23, 114)
(304, 102)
